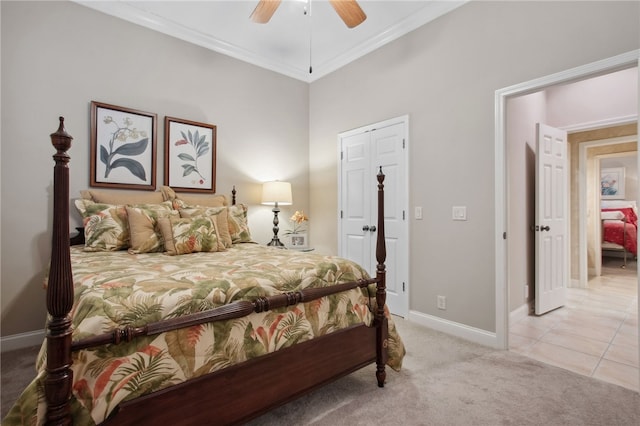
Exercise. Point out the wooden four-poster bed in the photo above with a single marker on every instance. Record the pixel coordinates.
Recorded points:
(327, 320)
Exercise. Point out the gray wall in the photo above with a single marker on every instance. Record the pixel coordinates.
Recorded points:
(444, 75)
(59, 56)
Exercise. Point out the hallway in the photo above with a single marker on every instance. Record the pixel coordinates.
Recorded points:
(594, 334)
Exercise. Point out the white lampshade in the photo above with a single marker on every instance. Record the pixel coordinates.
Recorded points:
(276, 192)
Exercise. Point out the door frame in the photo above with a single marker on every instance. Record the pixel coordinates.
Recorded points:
(583, 226)
(605, 66)
(405, 196)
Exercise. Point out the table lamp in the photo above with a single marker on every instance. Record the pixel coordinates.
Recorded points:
(273, 194)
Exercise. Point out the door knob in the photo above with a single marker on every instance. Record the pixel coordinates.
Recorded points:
(365, 228)
(372, 228)
(545, 228)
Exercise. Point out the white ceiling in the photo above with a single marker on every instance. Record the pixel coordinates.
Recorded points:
(291, 42)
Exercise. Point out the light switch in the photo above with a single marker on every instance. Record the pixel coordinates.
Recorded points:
(459, 213)
(418, 213)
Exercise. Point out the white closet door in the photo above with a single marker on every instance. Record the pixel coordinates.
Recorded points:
(363, 153)
(356, 200)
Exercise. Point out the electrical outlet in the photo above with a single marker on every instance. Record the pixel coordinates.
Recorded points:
(442, 302)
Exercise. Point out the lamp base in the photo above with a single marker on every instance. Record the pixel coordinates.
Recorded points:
(275, 242)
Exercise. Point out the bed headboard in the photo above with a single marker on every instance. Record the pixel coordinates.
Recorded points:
(619, 204)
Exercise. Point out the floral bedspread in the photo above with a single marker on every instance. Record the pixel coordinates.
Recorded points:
(117, 288)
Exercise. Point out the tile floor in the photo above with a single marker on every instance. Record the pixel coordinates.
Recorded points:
(595, 333)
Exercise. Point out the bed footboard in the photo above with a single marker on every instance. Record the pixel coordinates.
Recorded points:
(245, 391)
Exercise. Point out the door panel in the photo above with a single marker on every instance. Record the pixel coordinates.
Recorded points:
(356, 199)
(552, 274)
(394, 282)
(357, 247)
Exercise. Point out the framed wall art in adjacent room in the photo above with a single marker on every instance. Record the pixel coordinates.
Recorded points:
(190, 155)
(123, 147)
(612, 183)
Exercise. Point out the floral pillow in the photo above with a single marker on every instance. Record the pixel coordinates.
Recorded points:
(143, 226)
(238, 225)
(221, 217)
(189, 235)
(105, 226)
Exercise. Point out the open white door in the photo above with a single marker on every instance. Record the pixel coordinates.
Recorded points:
(552, 246)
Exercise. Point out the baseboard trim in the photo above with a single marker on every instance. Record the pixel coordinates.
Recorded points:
(575, 283)
(463, 331)
(21, 340)
(519, 313)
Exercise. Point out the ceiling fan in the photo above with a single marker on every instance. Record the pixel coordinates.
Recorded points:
(348, 10)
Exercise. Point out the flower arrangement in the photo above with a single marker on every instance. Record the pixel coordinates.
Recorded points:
(297, 219)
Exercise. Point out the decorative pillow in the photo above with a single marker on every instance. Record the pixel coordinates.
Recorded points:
(122, 197)
(213, 200)
(143, 226)
(105, 226)
(627, 212)
(221, 217)
(612, 215)
(189, 235)
(238, 225)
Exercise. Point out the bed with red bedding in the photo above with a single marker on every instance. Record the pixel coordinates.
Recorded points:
(620, 228)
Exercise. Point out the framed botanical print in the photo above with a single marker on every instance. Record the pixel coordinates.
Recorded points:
(123, 147)
(190, 155)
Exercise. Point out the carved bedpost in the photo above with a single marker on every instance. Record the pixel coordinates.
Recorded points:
(381, 292)
(59, 377)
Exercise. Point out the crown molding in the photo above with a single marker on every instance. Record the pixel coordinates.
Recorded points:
(431, 12)
(129, 12)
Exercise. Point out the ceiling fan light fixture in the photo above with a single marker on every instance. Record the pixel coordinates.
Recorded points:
(349, 11)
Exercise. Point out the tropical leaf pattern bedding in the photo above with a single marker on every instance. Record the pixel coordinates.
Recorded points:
(117, 288)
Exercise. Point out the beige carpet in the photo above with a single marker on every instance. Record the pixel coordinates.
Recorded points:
(444, 381)
(449, 381)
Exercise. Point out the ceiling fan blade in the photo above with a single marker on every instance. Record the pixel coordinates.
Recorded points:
(350, 12)
(264, 11)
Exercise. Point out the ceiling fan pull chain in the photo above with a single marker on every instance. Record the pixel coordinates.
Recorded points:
(310, 38)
